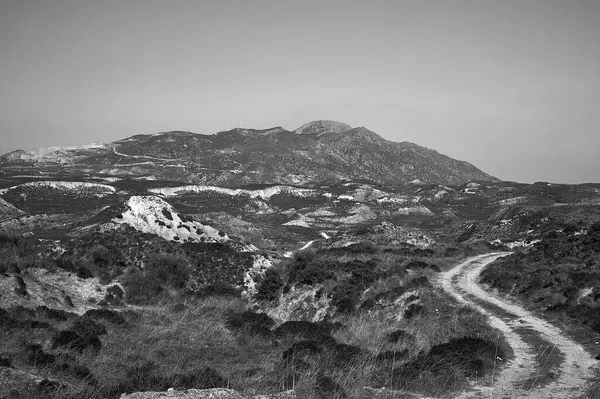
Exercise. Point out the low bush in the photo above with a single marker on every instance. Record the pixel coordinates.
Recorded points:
(305, 330)
(53, 314)
(142, 288)
(83, 333)
(467, 357)
(199, 378)
(269, 287)
(413, 310)
(216, 289)
(397, 335)
(326, 388)
(4, 362)
(249, 322)
(107, 315)
(35, 356)
(301, 348)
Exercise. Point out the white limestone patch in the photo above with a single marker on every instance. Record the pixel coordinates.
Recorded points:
(265, 193)
(55, 289)
(259, 265)
(526, 243)
(58, 155)
(510, 201)
(151, 214)
(8, 209)
(84, 188)
(415, 210)
(298, 222)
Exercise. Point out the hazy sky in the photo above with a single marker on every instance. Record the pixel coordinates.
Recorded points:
(510, 86)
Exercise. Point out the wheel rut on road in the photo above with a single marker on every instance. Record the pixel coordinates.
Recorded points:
(546, 362)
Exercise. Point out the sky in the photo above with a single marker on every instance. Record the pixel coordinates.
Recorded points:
(511, 86)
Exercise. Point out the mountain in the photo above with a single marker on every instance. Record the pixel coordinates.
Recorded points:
(315, 152)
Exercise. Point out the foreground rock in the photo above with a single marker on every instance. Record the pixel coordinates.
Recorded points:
(215, 393)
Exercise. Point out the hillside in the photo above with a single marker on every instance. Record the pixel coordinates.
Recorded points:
(315, 152)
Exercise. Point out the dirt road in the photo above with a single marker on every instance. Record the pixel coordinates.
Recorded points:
(562, 370)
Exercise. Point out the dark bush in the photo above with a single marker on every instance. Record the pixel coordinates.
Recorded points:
(167, 214)
(367, 247)
(471, 356)
(35, 355)
(301, 348)
(5, 362)
(413, 310)
(268, 289)
(343, 354)
(418, 282)
(83, 333)
(250, 322)
(73, 368)
(169, 269)
(107, 315)
(47, 386)
(116, 291)
(142, 288)
(84, 272)
(21, 288)
(201, 378)
(394, 356)
(177, 308)
(326, 388)
(397, 335)
(218, 289)
(416, 264)
(72, 340)
(306, 330)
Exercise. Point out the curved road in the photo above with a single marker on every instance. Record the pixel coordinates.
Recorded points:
(527, 375)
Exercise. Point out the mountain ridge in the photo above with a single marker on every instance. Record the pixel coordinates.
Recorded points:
(316, 151)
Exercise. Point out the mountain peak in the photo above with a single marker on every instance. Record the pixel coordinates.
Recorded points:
(322, 126)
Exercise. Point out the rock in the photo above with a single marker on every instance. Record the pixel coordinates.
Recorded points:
(215, 393)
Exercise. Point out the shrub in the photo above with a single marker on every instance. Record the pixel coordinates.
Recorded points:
(315, 273)
(419, 282)
(73, 368)
(21, 288)
(366, 247)
(297, 349)
(114, 295)
(397, 335)
(200, 378)
(268, 289)
(467, 356)
(35, 355)
(105, 314)
(83, 333)
(250, 322)
(306, 330)
(326, 388)
(173, 270)
(394, 356)
(167, 214)
(413, 310)
(218, 289)
(148, 377)
(5, 362)
(142, 288)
